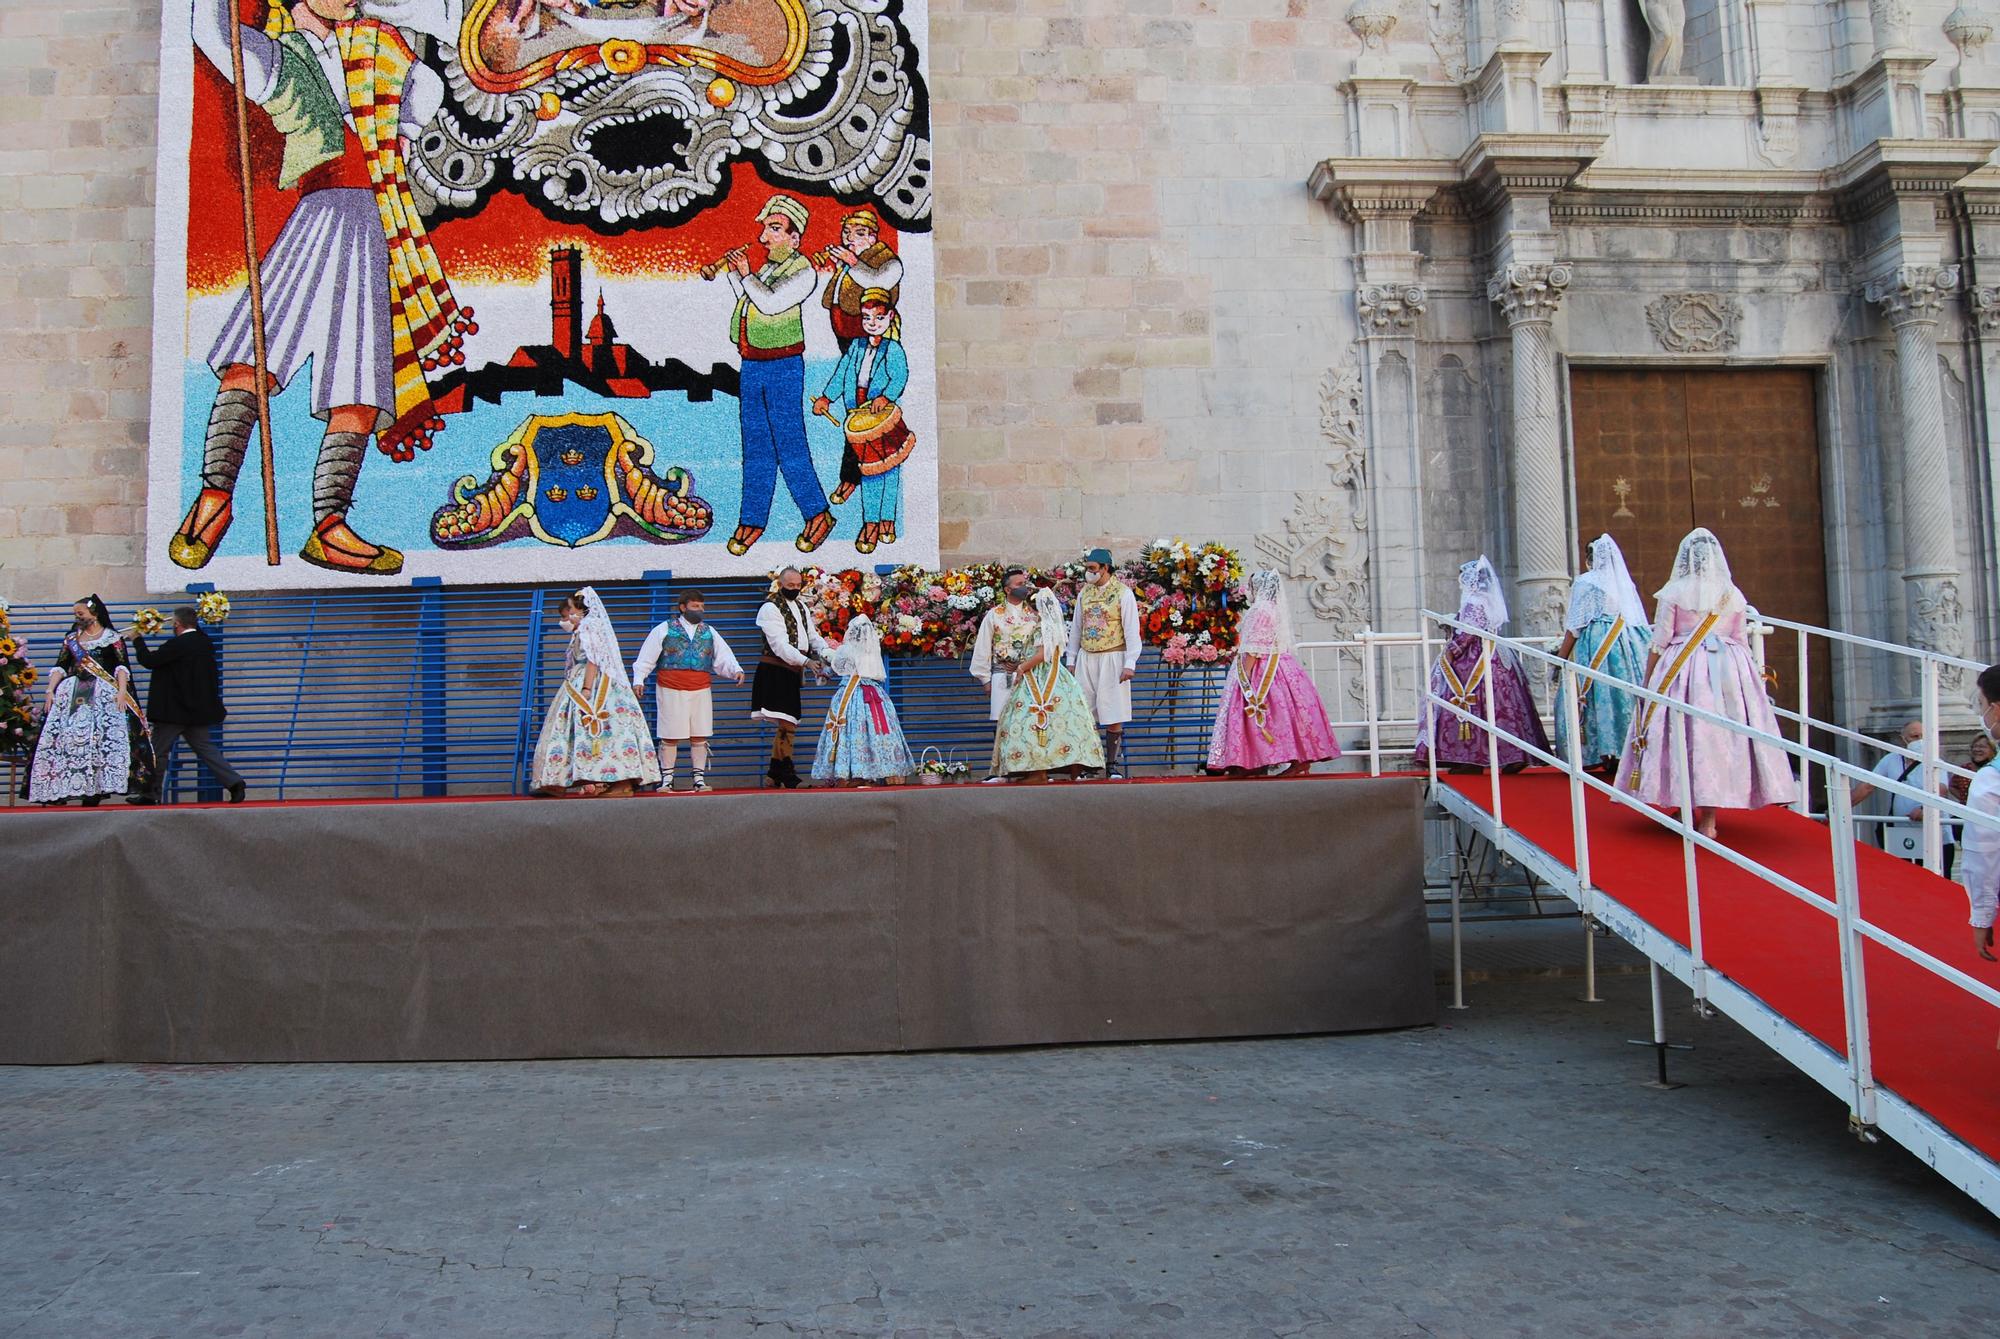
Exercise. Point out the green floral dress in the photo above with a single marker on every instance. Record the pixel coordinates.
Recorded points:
(1046, 725)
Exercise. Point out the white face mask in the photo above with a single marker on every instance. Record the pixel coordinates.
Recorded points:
(1986, 721)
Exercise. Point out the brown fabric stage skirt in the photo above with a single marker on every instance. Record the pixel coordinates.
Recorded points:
(734, 924)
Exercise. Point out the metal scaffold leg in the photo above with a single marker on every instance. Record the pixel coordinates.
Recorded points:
(1659, 1043)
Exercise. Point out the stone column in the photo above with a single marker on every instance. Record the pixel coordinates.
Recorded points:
(1528, 295)
(1913, 299)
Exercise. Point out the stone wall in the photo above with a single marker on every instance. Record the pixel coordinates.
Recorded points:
(1137, 299)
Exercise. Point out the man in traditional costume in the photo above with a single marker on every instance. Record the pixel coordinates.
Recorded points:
(1104, 647)
(792, 645)
(682, 656)
(872, 374)
(351, 284)
(768, 327)
(863, 267)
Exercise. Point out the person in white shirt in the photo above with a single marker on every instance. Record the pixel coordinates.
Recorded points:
(1103, 652)
(1982, 842)
(792, 645)
(1896, 767)
(682, 656)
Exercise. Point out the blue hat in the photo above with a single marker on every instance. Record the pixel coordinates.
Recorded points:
(1102, 557)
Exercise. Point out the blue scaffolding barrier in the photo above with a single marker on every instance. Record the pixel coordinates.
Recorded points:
(428, 690)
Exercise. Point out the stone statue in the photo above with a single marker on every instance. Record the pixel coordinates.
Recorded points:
(1665, 19)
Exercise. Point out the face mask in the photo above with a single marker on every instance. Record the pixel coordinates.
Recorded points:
(1018, 594)
(1986, 721)
(693, 616)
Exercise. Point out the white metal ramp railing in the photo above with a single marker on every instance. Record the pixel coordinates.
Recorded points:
(1848, 1071)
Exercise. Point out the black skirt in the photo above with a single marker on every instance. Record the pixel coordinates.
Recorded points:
(775, 694)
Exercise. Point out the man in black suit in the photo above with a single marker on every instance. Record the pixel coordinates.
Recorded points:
(185, 699)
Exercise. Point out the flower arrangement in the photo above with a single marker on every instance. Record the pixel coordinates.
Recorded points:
(1184, 592)
(17, 701)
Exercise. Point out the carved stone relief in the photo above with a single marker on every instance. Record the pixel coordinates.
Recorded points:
(1695, 322)
(1324, 542)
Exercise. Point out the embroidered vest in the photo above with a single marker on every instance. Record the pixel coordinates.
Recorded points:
(682, 652)
(1014, 638)
(1097, 612)
(844, 294)
(757, 333)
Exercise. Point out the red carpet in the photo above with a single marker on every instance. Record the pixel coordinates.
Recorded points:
(1934, 1045)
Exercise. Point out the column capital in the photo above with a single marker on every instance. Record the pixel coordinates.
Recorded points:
(1528, 292)
(1913, 293)
(1986, 307)
(1389, 309)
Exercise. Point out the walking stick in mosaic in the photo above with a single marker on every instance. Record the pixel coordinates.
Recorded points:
(259, 362)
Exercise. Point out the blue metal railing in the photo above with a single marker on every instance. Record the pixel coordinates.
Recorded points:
(433, 691)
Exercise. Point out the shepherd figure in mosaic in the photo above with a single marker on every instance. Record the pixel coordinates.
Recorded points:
(351, 284)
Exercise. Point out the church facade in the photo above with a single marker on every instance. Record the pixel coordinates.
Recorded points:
(1639, 268)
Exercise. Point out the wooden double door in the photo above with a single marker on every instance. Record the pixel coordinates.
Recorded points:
(1660, 451)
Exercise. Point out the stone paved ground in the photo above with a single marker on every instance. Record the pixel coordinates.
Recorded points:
(1502, 1175)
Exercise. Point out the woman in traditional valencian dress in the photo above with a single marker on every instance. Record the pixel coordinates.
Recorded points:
(86, 750)
(1605, 629)
(1271, 714)
(595, 740)
(1460, 677)
(1046, 727)
(861, 741)
(1701, 657)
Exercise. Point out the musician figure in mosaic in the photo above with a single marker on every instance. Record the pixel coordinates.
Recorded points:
(865, 387)
(1103, 652)
(682, 656)
(767, 326)
(1701, 658)
(1461, 677)
(594, 741)
(1271, 714)
(1605, 629)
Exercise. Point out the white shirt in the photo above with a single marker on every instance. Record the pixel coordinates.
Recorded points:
(779, 298)
(423, 91)
(1890, 768)
(885, 278)
(771, 623)
(1980, 858)
(1128, 616)
(649, 654)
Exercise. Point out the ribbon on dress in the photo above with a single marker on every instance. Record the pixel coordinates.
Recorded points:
(1597, 661)
(1647, 710)
(87, 664)
(872, 695)
(1257, 695)
(591, 712)
(1042, 701)
(1462, 694)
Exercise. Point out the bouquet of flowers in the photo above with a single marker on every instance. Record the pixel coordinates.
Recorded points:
(1183, 592)
(17, 699)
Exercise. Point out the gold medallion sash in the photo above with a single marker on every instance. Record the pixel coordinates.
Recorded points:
(1257, 693)
(1597, 661)
(1463, 694)
(1647, 710)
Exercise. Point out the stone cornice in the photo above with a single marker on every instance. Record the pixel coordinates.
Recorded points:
(1888, 169)
(1362, 188)
(1498, 166)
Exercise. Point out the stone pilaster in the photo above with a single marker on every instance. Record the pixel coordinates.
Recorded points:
(1913, 299)
(1528, 295)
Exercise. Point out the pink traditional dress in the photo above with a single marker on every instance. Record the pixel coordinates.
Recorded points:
(1702, 658)
(1271, 714)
